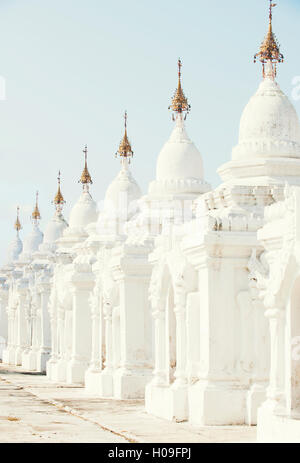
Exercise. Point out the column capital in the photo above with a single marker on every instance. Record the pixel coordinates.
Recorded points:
(158, 314)
(275, 313)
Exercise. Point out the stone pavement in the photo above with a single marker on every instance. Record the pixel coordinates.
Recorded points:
(33, 409)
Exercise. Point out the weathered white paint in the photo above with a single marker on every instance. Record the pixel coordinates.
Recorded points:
(186, 296)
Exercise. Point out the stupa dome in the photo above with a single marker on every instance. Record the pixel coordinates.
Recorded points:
(179, 157)
(32, 242)
(122, 190)
(179, 168)
(269, 125)
(83, 212)
(53, 232)
(14, 250)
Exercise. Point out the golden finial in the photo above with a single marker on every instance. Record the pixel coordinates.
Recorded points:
(59, 199)
(85, 178)
(179, 102)
(269, 49)
(125, 150)
(36, 213)
(18, 225)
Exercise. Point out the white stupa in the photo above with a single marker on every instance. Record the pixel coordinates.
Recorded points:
(57, 224)
(122, 188)
(179, 168)
(16, 246)
(35, 238)
(122, 195)
(83, 213)
(179, 180)
(268, 150)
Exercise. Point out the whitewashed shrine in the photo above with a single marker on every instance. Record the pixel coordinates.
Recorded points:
(187, 295)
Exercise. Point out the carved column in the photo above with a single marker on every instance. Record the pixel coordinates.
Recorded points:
(14, 333)
(161, 368)
(82, 285)
(54, 338)
(34, 324)
(181, 344)
(92, 378)
(9, 328)
(108, 337)
(28, 318)
(21, 329)
(95, 357)
(45, 320)
(11, 313)
(52, 311)
(3, 318)
(44, 328)
(116, 337)
(61, 333)
(276, 385)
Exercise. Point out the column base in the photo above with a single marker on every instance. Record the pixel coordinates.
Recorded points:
(92, 380)
(49, 367)
(131, 384)
(168, 402)
(2, 347)
(216, 404)
(42, 357)
(58, 371)
(29, 360)
(255, 397)
(76, 372)
(273, 428)
(9, 355)
(18, 356)
(106, 383)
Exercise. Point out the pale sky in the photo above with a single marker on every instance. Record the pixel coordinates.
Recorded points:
(72, 67)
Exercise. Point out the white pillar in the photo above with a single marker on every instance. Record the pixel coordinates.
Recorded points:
(108, 338)
(21, 330)
(116, 337)
(96, 335)
(161, 368)
(81, 334)
(275, 390)
(45, 331)
(3, 319)
(106, 377)
(93, 373)
(54, 344)
(181, 346)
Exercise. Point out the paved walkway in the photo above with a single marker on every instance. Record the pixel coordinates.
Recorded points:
(33, 409)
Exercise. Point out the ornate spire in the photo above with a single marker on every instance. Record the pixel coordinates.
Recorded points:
(36, 213)
(58, 198)
(18, 225)
(85, 178)
(125, 151)
(269, 50)
(179, 102)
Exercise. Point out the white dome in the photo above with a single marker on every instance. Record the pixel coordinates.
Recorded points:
(122, 190)
(83, 212)
(53, 232)
(55, 228)
(269, 125)
(120, 203)
(32, 242)
(14, 250)
(179, 157)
